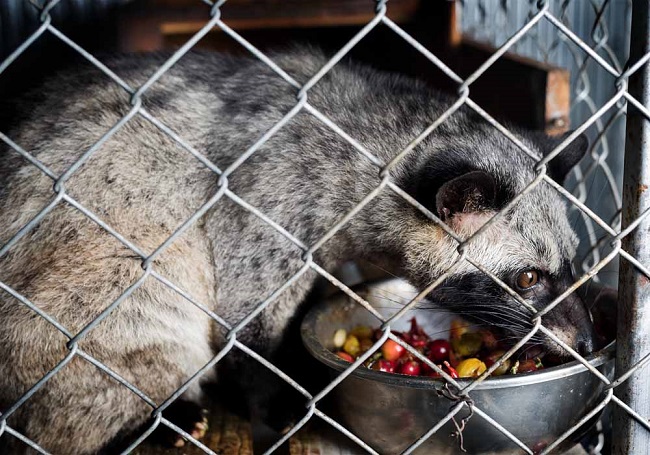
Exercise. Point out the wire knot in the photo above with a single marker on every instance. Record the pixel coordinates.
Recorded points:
(381, 6)
(215, 10)
(463, 91)
(458, 397)
(223, 181)
(45, 8)
(72, 345)
(232, 335)
(540, 169)
(59, 187)
(307, 256)
(301, 96)
(136, 99)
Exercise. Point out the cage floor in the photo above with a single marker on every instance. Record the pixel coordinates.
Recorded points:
(229, 434)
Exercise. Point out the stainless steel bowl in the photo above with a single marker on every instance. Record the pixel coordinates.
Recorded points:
(389, 412)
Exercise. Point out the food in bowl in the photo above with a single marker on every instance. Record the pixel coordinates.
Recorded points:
(391, 411)
(468, 352)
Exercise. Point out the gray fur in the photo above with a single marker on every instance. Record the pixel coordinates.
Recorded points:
(143, 185)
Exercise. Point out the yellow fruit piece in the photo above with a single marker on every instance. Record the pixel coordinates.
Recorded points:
(365, 344)
(503, 369)
(339, 338)
(361, 331)
(470, 368)
(352, 346)
(468, 344)
(457, 329)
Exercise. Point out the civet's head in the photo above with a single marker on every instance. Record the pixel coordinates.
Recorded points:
(466, 180)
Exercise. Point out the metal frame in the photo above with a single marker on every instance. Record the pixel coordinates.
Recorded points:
(633, 388)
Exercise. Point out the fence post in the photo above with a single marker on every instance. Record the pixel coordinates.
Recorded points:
(633, 338)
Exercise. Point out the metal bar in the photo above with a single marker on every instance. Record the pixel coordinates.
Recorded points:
(594, 412)
(640, 419)
(634, 289)
(144, 435)
(301, 423)
(418, 442)
(345, 431)
(26, 440)
(187, 436)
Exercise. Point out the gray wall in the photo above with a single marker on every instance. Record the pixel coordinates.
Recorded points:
(605, 27)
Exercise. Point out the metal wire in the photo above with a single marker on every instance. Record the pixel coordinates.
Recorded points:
(599, 53)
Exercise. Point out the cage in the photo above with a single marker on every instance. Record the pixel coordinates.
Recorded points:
(562, 67)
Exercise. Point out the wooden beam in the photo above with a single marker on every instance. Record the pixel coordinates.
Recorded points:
(261, 23)
(518, 89)
(148, 25)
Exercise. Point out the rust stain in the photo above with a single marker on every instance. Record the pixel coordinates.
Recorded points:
(642, 188)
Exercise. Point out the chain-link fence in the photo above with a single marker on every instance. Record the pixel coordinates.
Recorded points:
(629, 96)
(604, 26)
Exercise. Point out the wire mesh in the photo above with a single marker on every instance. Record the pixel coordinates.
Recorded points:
(541, 18)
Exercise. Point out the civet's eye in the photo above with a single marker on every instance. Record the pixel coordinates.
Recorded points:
(527, 279)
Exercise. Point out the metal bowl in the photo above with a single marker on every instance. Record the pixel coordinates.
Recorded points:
(389, 412)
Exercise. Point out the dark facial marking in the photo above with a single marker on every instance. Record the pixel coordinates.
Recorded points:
(479, 299)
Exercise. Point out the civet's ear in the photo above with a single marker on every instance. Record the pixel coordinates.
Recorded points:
(560, 166)
(471, 192)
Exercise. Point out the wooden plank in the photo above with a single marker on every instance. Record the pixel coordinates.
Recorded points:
(514, 89)
(455, 35)
(148, 24)
(188, 27)
(558, 102)
(283, 8)
(140, 34)
(518, 89)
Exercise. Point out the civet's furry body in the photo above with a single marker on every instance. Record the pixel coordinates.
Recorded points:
(305, 178)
